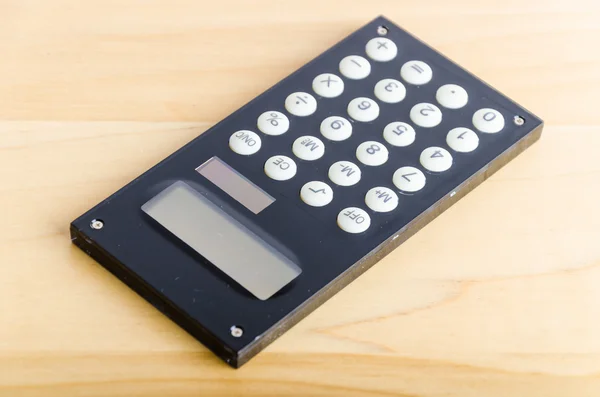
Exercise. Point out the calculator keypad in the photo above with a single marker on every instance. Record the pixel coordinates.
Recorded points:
(370, 154)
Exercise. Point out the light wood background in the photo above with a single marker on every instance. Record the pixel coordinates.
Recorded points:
(500, 296)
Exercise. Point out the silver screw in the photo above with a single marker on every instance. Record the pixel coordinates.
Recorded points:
(382, 30)
(519, 120)
(97, 224)
(236, 331)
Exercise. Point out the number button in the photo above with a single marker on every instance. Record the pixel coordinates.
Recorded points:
(363, 109)
(372, 153)
(416, 72)
(280, 168)
(273, 123)
(353, 220)
(452, 96)
(381, 199)
(436, 159)
(399, 134)
(244, 142)
(426, 115)
(316, 194)
(328, 85)
(381, 49)
(390, 91)
(489, 121)
(409, 179)
(344, 173)
(462, 140)
(336, 128)
(308, 148)
(355, 67)
(301, 104)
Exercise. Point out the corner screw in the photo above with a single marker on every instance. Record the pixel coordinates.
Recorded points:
(382, 30)
(236, 331)
(519, 120)
(97, 224)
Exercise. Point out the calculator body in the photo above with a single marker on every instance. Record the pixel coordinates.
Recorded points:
(166, 265)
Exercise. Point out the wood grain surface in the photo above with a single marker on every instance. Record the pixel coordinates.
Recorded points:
(500, 296)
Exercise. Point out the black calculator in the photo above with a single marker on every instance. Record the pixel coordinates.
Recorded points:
(252, 225)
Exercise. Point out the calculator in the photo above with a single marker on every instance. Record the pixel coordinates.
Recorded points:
(256, 222)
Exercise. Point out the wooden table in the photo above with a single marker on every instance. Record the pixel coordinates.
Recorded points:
(500, 296)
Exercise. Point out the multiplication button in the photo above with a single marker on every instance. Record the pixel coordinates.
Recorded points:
(328, 85)
(316, 193)
(308, 148)
(436, 159)
(344, 173)
(353, 220)
(381, 199)
(244, 142)
(409, 179)
(301, 104)
(280, 168)
(273, 123)
(336, 128)
(381, 49)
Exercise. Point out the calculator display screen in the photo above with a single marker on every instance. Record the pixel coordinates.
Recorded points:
(226, 243)
(235, 184)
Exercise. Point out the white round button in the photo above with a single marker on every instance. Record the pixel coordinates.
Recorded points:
(316, 194)
(353, 220)
(399, 134)
(336, 128)
(452, 96)
(273, 123)
(280, 168)
(426, 115)
(301, 104)
(436, 159)
(462, 140)
(308, 148)
(390, 91)
(355, 67)
(416, 72)
(344, 173)
(328, 85)
(409, 179)
(372, 153)
(489, 121)
(381, 199)
(381, 49)
(363, 109)
(244, 142)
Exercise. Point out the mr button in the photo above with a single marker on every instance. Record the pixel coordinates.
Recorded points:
(353, 220)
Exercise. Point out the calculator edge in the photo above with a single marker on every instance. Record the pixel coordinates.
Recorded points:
(390, 244)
